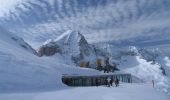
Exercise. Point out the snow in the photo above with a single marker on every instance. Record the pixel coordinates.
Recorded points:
(67, 35)
(72, 44)
(69, 41)
(167, 61)
(24, 76)
(146, 71)
(123, 92)
(21, 70)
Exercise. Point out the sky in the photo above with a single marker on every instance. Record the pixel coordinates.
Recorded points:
(6, 5)
(99, 20)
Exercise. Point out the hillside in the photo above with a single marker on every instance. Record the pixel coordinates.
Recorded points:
(22, 69)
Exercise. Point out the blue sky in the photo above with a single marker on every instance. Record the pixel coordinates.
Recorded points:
(99, 20)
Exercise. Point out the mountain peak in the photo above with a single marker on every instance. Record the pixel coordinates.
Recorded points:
(72, 44)
(69, 36)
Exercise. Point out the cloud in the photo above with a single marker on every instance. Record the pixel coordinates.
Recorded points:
(7, 4)
(99, 21)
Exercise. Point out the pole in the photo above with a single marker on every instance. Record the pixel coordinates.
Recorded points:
(153, 83)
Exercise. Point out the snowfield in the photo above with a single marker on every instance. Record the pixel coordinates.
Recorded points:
(123, 92)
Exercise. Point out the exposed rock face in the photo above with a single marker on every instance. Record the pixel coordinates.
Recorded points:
(149, 55)
(74, 44)
(48, 49)
(70, 43)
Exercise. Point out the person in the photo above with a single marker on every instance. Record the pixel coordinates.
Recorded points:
(100, 67)
(108, 81)
(96, 81)
(117, 82)
(105, 69)
(105, 82)
(111, 81)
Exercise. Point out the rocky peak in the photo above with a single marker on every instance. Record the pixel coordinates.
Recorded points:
(70, 43)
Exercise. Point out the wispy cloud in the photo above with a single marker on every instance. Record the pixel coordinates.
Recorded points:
(98, 20)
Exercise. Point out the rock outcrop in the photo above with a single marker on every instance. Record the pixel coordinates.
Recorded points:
(48, 49)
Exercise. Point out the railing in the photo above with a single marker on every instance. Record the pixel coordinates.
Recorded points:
(94, 80)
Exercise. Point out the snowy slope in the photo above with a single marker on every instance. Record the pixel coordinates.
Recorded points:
(165, 63)
(124, 92)
(17, 66)
(147, 71)
(145, 64)
(21, 70)
(12, 40)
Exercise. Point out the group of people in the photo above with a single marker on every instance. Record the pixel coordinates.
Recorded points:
(110, 81)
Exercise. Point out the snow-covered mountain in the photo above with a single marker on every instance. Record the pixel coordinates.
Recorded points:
(71, 44)
(146, 71)
(116, 52)
(146, 64)
(134, 60)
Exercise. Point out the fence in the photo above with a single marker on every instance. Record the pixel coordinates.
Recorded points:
(94, 80)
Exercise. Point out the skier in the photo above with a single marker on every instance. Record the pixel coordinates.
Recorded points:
(111, 81)
(117, 82)
(105, 69)
(96, 81)
(105, 82)
(108, 81)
